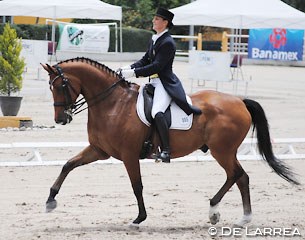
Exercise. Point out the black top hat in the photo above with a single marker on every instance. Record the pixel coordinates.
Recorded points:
(167, 15)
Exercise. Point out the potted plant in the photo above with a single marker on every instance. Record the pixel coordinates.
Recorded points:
(11, 69)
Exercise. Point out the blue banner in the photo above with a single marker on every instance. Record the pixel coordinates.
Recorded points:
(276, 44)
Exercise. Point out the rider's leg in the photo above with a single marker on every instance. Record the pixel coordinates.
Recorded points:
(161, 102)
(163, 131)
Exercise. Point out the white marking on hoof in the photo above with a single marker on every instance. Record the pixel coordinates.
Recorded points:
(50, 206)
(134, 226)
(244, 220)
(214, 215)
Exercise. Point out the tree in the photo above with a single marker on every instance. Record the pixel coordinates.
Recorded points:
(298, 4)
(139, 13)
(11, 64)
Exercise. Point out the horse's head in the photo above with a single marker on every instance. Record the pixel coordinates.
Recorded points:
(65, 91)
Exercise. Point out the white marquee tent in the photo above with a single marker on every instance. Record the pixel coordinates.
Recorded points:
(239, 14)
(54, 9)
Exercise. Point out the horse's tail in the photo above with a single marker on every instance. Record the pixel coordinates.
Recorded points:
(260, 123)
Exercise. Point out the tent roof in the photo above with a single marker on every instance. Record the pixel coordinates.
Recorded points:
(244, 14)
(93, 9)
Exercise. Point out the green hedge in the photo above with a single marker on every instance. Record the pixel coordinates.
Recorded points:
(33, 32)
(206, 45)
(134, 40)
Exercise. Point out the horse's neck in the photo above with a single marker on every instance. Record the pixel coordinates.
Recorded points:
(96, 84)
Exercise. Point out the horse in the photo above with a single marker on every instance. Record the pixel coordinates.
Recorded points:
(114, 129)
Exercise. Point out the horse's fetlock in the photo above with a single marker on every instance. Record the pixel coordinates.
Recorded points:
(53, 192)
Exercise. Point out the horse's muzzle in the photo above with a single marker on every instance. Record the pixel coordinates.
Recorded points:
(63, 118)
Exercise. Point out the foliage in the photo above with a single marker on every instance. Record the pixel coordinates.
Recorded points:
(139, 13)
(298, 4)
(34, 32)
(135, 40)
(11, 64)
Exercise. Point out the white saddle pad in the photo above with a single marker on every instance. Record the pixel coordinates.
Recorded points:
(180, 120)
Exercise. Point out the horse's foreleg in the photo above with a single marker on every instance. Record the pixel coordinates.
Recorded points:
(88, 155)
(243, 185)
(133, 169)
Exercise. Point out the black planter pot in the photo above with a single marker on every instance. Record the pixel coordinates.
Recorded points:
(10, 105)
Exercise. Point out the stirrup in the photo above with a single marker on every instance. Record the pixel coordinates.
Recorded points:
(165, 157)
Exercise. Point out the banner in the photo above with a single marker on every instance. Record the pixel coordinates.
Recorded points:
(83, 38)
(34, 52)
(276, 44)
(209, 65)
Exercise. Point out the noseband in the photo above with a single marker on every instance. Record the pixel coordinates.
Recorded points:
(74, 108)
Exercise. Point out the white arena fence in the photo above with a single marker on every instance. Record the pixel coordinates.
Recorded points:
(284, 148)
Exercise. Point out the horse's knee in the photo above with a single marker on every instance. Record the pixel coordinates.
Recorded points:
(69, 166)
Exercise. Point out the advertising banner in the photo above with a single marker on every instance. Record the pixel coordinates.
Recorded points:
(276, 44)
(83, 38)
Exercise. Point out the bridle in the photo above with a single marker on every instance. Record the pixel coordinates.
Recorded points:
(71, 108)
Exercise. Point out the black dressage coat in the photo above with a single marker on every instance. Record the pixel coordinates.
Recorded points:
(159, 59)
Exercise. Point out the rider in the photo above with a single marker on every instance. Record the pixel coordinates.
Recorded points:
(157, 64)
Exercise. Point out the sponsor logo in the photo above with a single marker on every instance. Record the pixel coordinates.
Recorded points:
(276, 44)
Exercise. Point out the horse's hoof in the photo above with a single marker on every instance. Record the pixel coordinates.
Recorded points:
(50, 206)
(214, 215)
(245, 219)
(214, 218)
(134, 226)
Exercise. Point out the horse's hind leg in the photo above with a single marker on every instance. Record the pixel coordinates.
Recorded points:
(88, 155)
(243, 185)
(234, 172)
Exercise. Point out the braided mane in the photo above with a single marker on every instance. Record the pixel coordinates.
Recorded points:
(92, 63)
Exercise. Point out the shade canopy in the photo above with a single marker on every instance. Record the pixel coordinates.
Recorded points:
(93, 9)
(54, 9)
(239, 14)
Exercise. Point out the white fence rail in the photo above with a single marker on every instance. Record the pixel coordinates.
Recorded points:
(284, 148)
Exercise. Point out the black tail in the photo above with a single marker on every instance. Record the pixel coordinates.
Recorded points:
(260, 122)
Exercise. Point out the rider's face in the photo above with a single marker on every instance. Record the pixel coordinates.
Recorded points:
(159, 24)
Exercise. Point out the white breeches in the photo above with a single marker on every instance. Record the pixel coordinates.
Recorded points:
(161, 99)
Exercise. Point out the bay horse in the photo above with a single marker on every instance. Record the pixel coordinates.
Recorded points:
(114, 129)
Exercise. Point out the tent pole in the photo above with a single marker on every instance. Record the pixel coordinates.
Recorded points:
(121, 37)
(53, 33)
(116, 37)
(191, 41)
(191, 33)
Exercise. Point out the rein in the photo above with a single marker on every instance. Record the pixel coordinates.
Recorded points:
(74, 108)
(97, 98)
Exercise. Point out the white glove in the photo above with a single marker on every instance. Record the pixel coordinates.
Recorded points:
(127, 67)
(128, 73)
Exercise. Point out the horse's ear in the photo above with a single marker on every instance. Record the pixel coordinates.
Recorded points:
(47, 67)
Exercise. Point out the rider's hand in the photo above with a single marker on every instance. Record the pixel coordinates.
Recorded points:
(128, 73)
(127, 67)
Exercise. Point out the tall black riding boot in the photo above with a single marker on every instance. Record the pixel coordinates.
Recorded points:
(163, 131)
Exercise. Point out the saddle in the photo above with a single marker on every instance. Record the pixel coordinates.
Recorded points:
(176, 118)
